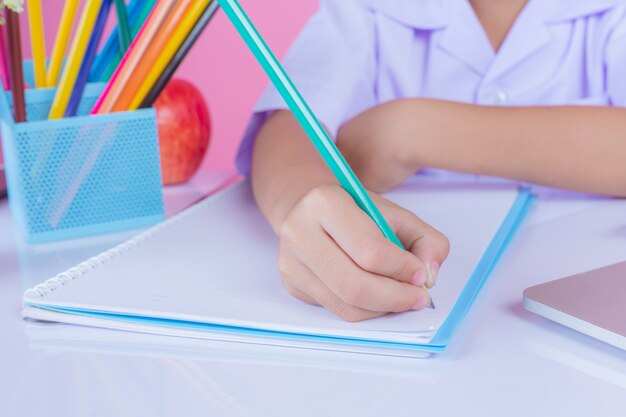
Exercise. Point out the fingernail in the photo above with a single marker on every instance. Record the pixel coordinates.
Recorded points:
(419, 278)
(432, 272)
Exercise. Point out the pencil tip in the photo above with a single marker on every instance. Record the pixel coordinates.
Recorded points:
(431, 304)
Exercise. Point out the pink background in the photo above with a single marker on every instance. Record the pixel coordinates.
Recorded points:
(220, 65)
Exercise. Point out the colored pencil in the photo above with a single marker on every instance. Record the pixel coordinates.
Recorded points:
(305, 116)
(15, 54)
(135, 54)
(180, 55)
(90, 54)
(122, 24)
(75, 58)
(174, 30)
(111, 53)
(116, 73)
(61, 41)
(37, 41)
(5, 72)
(137, 21)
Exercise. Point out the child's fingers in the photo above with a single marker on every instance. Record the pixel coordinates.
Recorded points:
(425, 242)
(355, 286)
(357, 235)
(300, 282)
(434, 250)
(334, 279)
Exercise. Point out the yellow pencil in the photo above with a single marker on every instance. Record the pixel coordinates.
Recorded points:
(37, 41)
(60, 43)
(75, 58)
(178, 37)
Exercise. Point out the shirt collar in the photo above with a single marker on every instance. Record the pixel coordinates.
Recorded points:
(420, 14)
(564, 10)
(464, 38)
(436, 14)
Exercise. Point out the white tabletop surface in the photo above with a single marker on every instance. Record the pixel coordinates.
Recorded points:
(504, 361)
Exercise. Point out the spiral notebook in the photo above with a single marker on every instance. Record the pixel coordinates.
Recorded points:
(211, 272)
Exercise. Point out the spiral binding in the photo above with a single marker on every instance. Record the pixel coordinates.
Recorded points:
(71, 274)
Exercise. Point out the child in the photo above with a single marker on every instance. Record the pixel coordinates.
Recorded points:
(493, 87)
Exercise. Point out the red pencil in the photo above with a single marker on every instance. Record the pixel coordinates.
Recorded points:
(17, 77)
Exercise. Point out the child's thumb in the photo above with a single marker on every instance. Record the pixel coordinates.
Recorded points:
(432, 249)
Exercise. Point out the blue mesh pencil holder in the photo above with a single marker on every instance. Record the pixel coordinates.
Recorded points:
(82, 175)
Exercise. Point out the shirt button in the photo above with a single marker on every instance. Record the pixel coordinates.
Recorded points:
(500, 98)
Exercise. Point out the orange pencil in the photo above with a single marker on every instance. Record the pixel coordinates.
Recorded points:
(134, 55)
(151, 55)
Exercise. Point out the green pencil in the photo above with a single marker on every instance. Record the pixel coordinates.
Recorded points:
(305, 116)
(137, 22)
(122, 20)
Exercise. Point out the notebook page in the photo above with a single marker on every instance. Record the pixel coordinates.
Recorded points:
(217, 264)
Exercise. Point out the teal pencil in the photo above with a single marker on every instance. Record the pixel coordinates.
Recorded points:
(314, 129)
(305, 116)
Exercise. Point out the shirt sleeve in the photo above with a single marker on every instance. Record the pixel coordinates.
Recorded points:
(616, 64)
(332, 64)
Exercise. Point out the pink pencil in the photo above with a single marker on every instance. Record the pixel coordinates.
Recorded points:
(4, 61)
(116, 73)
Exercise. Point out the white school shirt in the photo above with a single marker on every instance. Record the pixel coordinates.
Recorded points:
(356, 54)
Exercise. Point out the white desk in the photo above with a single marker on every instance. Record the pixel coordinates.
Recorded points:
(503, 362)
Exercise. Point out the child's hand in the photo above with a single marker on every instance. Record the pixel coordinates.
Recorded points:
(332, 254)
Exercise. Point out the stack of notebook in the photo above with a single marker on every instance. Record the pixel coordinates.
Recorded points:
(211, 272)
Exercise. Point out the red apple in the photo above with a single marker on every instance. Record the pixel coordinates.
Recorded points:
(184, 130)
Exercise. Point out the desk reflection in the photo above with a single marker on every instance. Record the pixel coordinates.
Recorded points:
(181, 376)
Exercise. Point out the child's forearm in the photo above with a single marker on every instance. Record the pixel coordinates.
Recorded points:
(285, 167)
(579, 148)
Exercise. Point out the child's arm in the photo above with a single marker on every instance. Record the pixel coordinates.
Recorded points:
(330, 252)
(577, 148)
